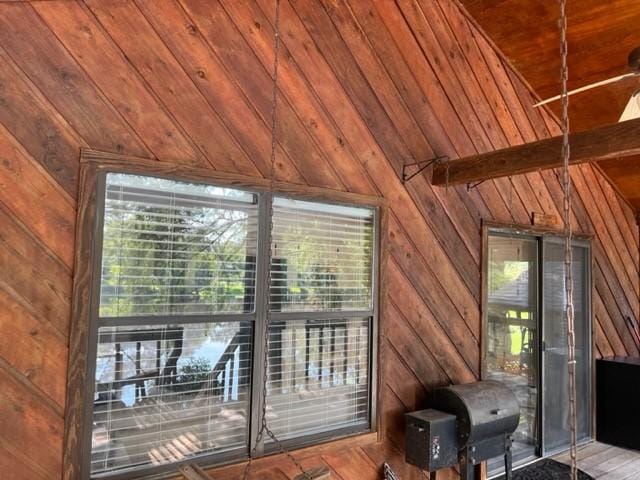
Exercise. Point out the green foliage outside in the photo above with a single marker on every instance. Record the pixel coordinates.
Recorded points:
(162, 258)
(193, 374)
(190, 260)
(334, 276)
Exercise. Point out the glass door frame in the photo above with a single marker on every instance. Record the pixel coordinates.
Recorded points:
(531, 232)
(508, 232)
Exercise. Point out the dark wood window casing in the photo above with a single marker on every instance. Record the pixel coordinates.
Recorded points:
(312, 323)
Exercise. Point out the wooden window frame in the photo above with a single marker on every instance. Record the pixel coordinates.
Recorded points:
(96, 164)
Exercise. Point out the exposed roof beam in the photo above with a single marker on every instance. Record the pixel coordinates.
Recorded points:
(611, 141)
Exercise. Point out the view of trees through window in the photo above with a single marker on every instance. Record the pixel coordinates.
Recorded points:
(322, 257)
(178, 313)
(176, 254)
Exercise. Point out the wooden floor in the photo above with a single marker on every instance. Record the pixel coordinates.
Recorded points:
(604, 462)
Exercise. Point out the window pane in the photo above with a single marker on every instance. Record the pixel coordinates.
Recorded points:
(556, 376)
(322, 257)
(318, 376)
(165, 393)
(176, 248)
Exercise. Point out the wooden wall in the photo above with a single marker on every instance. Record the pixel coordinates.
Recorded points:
(365, 88)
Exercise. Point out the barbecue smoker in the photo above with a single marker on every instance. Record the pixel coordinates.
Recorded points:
(465, 424)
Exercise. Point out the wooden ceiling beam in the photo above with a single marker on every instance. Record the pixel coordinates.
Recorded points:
(611, 141)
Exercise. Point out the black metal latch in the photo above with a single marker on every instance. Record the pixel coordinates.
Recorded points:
(421, 167)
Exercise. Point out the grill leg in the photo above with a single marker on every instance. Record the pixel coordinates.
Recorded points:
(467, 469)
(508, 461)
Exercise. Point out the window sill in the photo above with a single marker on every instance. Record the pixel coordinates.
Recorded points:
(330, 447)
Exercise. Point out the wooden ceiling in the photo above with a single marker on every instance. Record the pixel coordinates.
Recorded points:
(601, 34)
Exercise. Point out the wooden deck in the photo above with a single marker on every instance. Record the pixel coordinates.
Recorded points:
(156, 432)
(604, 462)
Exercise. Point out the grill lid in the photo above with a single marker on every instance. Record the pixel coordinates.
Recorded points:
(484, 409)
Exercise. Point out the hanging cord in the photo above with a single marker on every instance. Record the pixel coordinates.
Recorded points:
(568, 253)
(264, 428)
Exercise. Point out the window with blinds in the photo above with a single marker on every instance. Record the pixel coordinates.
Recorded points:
(165, 393)
(181, 308)
(172, 248)
(321, 257)
(322, 308)
(318, 378)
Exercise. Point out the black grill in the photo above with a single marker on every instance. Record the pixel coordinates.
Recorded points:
(465, 424)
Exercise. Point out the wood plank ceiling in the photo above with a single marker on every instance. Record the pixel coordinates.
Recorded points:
(366, 87)
(601, 34)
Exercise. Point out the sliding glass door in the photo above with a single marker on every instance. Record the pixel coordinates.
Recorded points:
(525, 338)
(511, 342)
(555, 377)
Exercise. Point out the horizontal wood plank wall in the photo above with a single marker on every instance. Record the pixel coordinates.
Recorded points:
(365, 88)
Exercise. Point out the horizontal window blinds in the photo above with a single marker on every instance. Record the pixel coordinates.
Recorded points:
(178, 317)
(322, 257)
(322, 264)
(166, 393)
(176, 248)
(318, 376)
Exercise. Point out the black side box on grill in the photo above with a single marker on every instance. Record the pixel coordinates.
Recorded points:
(434, 429)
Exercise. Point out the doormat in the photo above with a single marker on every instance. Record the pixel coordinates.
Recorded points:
(546, 469)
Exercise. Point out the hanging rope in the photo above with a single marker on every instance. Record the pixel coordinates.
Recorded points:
(264, 428)
(568, 253)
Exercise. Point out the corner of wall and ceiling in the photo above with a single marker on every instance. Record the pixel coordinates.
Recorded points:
(509, 64)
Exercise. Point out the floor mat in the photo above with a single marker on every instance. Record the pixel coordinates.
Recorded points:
(546, 469)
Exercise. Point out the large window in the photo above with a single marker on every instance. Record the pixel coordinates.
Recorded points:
(178, 332)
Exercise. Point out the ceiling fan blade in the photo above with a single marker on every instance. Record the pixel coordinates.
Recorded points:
(587, 87)
(632, 110)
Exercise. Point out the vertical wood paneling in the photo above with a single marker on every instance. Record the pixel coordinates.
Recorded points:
(365, 87)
